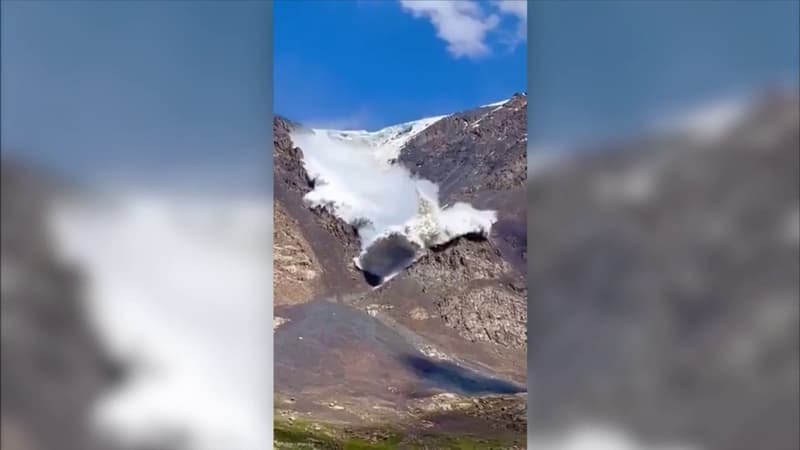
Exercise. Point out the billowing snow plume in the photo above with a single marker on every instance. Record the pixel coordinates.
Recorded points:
(179, 288)
(435, 226)
(354, 179)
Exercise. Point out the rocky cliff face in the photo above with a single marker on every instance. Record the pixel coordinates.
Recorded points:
(472, 292)
(53, 366)
(664, 285)
(296, 271)
(474, 152)
(320, 242)
(478, 156)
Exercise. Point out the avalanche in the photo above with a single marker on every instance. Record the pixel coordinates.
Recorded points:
(355, 179)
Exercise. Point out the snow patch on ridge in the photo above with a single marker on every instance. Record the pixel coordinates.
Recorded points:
(500, 103)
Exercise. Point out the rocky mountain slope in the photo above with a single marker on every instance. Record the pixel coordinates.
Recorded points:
(330, 240)
(474, 152)
(476, 156)
(463, 302)
(664, 285)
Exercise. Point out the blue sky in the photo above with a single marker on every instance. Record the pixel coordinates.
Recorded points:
(368, 64)
(157, 87)
(603, 69)
(138, 88)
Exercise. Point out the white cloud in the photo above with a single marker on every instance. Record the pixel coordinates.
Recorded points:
(518, 8)
(462, 24)
(465, 26)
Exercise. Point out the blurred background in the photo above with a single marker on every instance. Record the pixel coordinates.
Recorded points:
(664, 229)
(136, 225)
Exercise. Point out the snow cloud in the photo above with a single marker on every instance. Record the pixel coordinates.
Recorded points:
(464, 24)
(193, 331)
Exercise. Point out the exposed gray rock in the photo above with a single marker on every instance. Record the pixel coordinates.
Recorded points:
(491, 314)
(473, 152)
